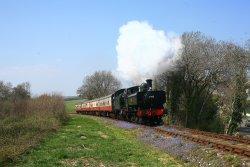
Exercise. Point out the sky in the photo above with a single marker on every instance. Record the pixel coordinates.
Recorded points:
(54, 44)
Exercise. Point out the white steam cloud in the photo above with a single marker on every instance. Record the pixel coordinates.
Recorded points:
(143, 51)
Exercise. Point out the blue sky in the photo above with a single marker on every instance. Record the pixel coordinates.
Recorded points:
(53, 44)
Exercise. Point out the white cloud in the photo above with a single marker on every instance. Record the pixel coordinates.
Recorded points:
(142, 50)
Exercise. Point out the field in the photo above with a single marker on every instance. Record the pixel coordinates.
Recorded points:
(70, 105)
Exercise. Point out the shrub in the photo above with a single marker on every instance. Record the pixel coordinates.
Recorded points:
(23, 123)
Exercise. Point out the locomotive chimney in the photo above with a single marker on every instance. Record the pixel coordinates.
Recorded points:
(149, 84)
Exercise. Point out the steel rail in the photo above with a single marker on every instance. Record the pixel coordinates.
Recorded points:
(240, 150)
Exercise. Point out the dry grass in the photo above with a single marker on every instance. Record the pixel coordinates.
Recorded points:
(24, 123)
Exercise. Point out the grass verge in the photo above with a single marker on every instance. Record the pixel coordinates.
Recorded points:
(85, 141)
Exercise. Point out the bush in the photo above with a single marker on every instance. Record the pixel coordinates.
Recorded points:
(24, 123)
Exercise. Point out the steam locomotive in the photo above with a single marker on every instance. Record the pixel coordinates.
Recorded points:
(138, 104)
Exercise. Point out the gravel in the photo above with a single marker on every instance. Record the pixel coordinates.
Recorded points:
(126, 125)
(189, 152)
(173, 145)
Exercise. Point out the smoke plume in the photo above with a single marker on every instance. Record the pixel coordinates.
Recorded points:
(143, 51)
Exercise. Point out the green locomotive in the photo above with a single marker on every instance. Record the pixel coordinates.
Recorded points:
(139, 103)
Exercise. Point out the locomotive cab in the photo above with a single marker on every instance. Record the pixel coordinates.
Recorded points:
(118, 100)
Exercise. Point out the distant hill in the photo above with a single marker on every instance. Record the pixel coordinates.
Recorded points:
(68, 98)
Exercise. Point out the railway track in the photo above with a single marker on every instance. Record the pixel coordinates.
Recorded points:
(221, 142)
(216, 135)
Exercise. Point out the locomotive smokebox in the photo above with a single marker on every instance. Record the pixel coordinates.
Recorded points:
(149, 84)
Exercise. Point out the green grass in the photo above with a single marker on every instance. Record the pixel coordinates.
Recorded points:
(89, 141)
(70, 105)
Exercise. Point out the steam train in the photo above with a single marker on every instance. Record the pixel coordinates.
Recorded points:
(138, 104)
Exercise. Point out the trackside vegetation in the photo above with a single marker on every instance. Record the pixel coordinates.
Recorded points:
(27, 138)
(86, 141)
(25, 121)
(206, 87)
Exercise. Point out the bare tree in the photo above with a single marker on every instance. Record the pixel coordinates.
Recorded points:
(99, 84)
(5, 90)
(21, 91)
(234, 90)
(200, 66)
(207, 70)
(14, 100)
